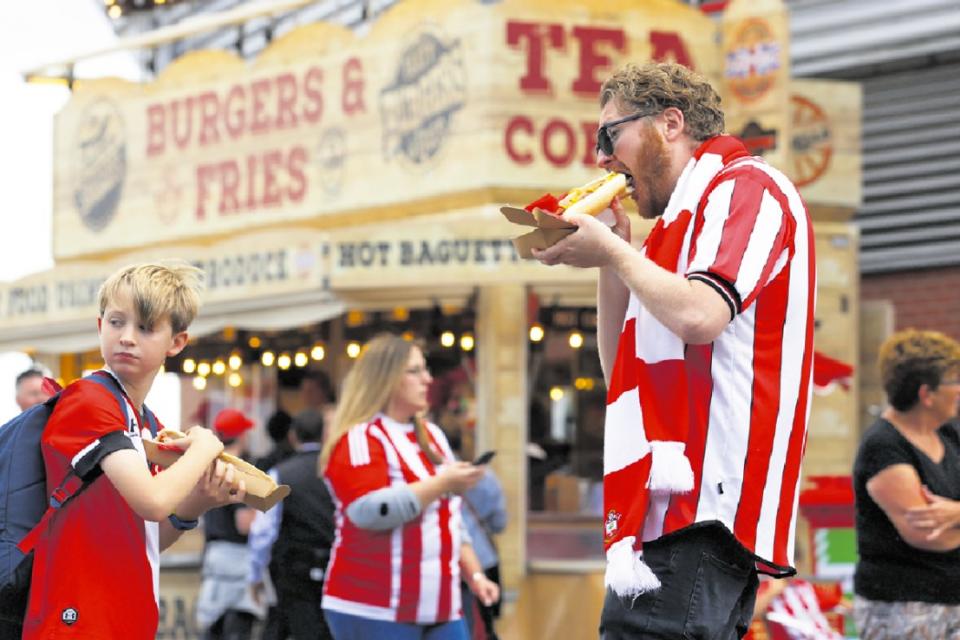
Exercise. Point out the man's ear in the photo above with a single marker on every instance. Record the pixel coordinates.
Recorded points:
(179, 342)
(99, 325)
(674, 124)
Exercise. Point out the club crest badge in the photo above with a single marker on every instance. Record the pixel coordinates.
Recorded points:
(612, 523)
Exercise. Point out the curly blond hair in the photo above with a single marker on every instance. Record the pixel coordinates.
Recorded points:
(656, 86)
(911, 358)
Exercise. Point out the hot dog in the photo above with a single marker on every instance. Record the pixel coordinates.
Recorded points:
(595, 196)
(591, 198)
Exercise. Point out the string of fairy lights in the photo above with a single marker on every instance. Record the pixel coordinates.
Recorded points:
(306, 348)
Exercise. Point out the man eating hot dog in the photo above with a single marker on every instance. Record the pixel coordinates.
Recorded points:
(705, 339)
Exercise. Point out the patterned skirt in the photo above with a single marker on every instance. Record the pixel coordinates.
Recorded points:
(906, 620)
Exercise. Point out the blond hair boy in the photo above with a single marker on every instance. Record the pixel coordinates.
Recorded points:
(96, 567)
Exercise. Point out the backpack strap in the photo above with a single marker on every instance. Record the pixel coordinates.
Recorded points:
(72, 486)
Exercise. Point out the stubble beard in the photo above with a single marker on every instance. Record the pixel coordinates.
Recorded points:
(652, 189)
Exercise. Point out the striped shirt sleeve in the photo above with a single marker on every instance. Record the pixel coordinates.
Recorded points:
(358, 465)
(743, 236)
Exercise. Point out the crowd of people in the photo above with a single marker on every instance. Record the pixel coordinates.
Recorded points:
(705, 340)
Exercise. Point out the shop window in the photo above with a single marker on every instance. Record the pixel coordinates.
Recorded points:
(565, 443)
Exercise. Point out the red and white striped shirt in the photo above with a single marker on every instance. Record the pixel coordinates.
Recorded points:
(407, 574)
(740, 404)
(96, 567)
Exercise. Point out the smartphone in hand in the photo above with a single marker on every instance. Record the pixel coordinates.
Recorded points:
(484, 458)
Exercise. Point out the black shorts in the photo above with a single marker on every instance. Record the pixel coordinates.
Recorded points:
(708, 587)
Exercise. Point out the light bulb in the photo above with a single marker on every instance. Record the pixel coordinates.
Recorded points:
(536, 333)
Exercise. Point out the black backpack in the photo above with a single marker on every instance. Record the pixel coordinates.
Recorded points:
(25, 507)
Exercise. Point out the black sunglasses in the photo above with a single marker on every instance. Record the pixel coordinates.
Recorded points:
(604, 141)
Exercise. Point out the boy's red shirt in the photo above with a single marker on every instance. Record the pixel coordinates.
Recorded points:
(96, 568)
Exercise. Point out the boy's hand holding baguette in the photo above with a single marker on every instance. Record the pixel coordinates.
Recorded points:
(229, 479)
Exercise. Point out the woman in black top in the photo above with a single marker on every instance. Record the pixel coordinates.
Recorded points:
(907, 487)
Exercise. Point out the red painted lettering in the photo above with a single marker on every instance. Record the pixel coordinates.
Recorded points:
(667, 45)
(560, 141)
(313, 110)
(589, 135)
(235, 118)
(518, 123)
(298, 179)
(286, 101)
(209, 115)
(251, 182)
(591, 60)
(271, 190)
(229, 184)
(353, 87)
(182, 117)
(156, 130)
(534, 34)
(260, 121)
(205, 173)
(568, 149)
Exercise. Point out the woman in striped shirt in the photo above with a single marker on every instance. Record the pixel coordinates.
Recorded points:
(400, 547)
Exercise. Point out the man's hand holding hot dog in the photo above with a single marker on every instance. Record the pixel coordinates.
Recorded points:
(592, 244)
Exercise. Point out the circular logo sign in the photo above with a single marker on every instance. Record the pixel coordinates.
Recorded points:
(101, 163)
(417, 108)
(752, 60)
(812, 141)
(331, 153)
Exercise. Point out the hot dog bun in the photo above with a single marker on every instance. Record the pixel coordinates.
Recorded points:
(595, 196)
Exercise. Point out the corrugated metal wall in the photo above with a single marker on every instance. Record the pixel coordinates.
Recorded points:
(907, 55)
(911, 212)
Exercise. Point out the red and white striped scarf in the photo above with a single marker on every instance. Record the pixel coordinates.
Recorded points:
(647, 400)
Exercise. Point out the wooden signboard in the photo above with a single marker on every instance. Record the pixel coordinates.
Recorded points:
(756, 76)
(247, 266)
(420, 114)
(826, 157)
(464, 247)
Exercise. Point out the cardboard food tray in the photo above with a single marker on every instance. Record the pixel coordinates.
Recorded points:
(548, 229)
(262, 492)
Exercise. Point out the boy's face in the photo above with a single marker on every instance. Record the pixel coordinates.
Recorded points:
(131, 350)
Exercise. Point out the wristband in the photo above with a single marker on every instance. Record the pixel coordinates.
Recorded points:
(182, 525)
(476, 575)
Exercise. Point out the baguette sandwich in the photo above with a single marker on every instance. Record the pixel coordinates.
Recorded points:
(262, 491)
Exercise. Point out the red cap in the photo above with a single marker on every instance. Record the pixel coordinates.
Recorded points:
(231, 423)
